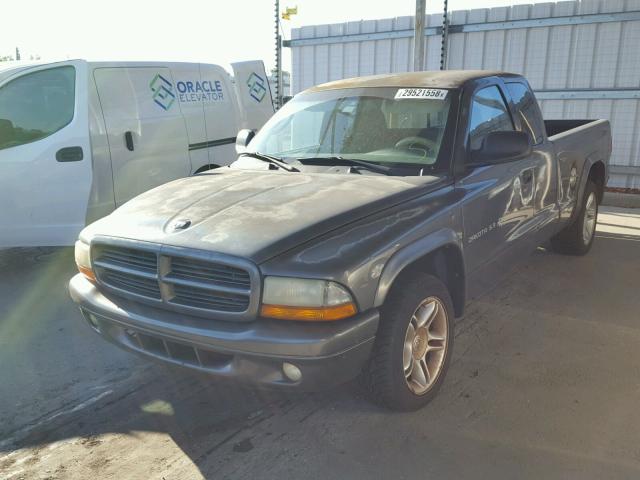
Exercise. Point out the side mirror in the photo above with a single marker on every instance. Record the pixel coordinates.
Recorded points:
(243, 138)
(498, 147)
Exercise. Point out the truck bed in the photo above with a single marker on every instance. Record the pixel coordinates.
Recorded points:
(578, 144)
(589, 137)
(555, 127)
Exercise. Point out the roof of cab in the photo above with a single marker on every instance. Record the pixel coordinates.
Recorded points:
(434, 79)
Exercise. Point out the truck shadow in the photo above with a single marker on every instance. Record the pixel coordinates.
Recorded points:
(206, 419)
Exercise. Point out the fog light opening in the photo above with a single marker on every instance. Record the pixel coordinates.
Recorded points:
(93, 321)
(292, 372)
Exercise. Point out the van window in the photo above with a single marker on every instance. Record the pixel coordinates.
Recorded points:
(528, 109)
(36, 105)
(489, 113)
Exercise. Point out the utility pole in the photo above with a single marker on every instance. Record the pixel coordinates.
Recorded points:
(17, 54)
(278, 86)
(418, 36)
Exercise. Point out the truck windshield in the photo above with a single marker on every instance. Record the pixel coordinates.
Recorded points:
(394, 126)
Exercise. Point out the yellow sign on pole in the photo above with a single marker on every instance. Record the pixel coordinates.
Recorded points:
(286, 15)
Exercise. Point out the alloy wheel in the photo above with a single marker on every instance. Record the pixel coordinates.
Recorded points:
(425, 345)
(590, 214)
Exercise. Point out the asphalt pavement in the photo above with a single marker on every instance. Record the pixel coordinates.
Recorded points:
(545, 383)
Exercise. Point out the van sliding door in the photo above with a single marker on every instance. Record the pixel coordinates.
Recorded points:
(145, 128)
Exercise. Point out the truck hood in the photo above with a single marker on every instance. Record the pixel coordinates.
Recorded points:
(255, 215)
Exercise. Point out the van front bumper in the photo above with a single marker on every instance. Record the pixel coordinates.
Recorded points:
(327, 354)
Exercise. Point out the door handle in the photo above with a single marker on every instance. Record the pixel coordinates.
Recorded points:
(128, 141)
(70, 154)
(527, 190)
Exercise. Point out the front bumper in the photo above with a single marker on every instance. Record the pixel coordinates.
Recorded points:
(327, 354)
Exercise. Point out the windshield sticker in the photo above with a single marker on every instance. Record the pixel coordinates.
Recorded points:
(428, 93)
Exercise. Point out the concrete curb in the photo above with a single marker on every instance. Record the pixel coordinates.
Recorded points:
(625, 200)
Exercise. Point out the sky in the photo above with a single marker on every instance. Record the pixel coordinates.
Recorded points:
(209, 31)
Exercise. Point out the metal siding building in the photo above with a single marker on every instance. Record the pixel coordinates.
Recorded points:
(581, 57)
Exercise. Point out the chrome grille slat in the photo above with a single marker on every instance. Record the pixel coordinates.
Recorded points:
(139, 286)
(127, 270)
(119, 261)
(211, 287)
(203, 299)
(199, 270)
(129, 257)
(194, 294)
(205, 285)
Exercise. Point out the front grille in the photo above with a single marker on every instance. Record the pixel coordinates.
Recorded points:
(176, 281)
(201, 298)
(137, 285)
(128, 258)
(198, 270)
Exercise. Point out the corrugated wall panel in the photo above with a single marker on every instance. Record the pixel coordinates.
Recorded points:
(600, 56)
(402, 49)
(383, 48)
(456, 53)
(336, 54)
(352, 52)
(322, 56)
(434, 44)
(559, 49)
(474, 42)
(367, 49)
(495, 41)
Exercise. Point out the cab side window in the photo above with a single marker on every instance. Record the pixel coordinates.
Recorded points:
(489, 113)
(36, 105)
(528, 110)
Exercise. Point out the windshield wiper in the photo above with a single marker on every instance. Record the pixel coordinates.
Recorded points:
(374, 167)
(270, 159)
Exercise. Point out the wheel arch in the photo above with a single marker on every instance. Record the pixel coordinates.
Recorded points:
(204, 168)
(439, 254)
(593, 169)
(598, 175)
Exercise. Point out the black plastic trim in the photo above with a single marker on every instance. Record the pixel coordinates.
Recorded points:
(212, 143)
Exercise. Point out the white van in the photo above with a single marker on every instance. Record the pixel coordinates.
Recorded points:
(79, 138)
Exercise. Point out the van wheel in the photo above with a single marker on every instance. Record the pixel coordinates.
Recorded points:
(413, 345)
(577, 238)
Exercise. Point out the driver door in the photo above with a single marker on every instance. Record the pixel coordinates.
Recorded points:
(499, 198)
(45, 155)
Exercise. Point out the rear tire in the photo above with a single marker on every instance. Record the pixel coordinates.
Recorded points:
(577, 238)
(413, 345)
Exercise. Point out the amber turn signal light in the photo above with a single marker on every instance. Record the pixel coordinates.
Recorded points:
(87, 272)
(309, 314)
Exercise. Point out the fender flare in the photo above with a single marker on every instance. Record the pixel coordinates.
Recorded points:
(409, 254)
(589, 162)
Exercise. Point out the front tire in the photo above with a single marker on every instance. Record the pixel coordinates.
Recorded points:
(413, 345)
(577, 238)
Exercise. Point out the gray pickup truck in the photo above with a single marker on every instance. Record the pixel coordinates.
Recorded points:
(348, 235)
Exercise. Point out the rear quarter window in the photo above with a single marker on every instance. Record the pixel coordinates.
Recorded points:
(528, 110)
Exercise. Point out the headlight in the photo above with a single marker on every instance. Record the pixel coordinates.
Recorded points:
(303, 299)
(83, 260)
